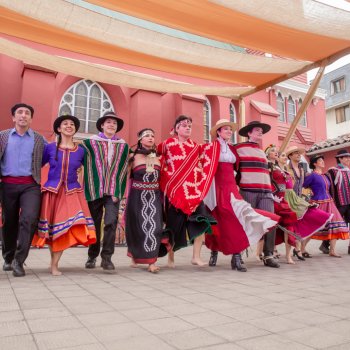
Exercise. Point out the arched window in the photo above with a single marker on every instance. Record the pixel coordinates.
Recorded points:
(207, 120)
(281, 108)
(291, 109)
(303, 120)
(233, 118)
(87, 101)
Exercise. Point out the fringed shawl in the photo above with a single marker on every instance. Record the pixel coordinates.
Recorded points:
(187, 172)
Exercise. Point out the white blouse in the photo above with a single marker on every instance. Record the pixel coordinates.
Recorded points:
(226, 154)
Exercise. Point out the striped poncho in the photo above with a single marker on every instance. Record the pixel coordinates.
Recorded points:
(105, 168)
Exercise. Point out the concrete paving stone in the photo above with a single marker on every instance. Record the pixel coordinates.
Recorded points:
(18, 342)
(206, 319)
(178, 291)
(219, 305)
(10, 316)
(168, 300)
(149, 342)
(39, 303)
(198, 298)
(311, 318)
(272, 342)
(345, 346)
(102, 318)
(339, 327)
(62, 339)
(316, 337)
(339, 311)
(236, 331)
(244, 313)
(166, 325)
(191, 339)
(128, 304)
(150, 294)
(71, 293)
(52, 324)
(86, 308)
(183, 309)
(95, 346)
(276, 324)
(225, 346)
(114, 332)
(275, 308)
(13, 328)
(307, 304)
(46, 313)
(9, 306)
(150, 313)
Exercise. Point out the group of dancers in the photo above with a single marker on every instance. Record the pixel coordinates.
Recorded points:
(178, 193)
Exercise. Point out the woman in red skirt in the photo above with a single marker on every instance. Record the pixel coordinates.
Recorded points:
(65, 219)
(238, 224)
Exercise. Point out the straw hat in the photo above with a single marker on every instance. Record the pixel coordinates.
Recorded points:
(219, 124)
(254, 124)
(293, 149)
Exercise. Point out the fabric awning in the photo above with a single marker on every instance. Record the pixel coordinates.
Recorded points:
(298, 35)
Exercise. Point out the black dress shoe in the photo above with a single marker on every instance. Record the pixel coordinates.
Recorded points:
(91, 263)
(107, 264)
(270, 261)
(349, 249)
(213, 258)
(296, 253)
(236, 263)
(17, 269)
(7, 266)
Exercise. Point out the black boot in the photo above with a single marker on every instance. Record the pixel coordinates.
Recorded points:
(17, 269)
(324, 247)
(91, 263)
(107, 264)
(270, 261)
(213, 258)
(236, 263)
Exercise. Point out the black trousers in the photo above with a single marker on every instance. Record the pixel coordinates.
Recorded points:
(20, 210)
(111, 210)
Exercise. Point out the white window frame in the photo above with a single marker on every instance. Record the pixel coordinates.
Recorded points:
(71, 91)
(207, 120)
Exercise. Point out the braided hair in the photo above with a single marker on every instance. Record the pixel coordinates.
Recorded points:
(59, 140)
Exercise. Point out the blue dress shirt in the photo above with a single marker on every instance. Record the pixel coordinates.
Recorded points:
(17, 158)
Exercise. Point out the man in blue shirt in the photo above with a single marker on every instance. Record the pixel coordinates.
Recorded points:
(21, 151)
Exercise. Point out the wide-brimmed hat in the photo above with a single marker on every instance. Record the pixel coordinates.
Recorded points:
(293, 149)
(254, 124)
(109, 115)
(342, 153)
(314, 159)
(219, 124)
(60, 119)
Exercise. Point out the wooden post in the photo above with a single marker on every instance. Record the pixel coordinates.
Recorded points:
(241, 122)
(309, 96)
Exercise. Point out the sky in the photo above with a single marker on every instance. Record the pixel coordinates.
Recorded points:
(339, 63)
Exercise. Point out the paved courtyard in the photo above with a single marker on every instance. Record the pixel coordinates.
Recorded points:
(306, 306)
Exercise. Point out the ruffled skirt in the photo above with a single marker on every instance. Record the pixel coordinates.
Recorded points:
(65, 221)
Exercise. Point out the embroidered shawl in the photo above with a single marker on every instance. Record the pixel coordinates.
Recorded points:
(105, 167)
(187, 172)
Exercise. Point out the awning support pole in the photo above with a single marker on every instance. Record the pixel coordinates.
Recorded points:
(241, 120)
(309, 96)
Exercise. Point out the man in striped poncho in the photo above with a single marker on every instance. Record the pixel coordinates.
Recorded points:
(105, 174)
(254, 179)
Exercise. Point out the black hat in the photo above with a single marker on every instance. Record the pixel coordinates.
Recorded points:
(254, 124)
(342, 153)
(314, 159)
(60, 119)
(110, 115)
(19, 105)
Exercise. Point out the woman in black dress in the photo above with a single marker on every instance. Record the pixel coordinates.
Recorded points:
(144, 222)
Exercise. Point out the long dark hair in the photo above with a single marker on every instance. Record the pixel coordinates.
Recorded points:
(139, 149)
(59, 140)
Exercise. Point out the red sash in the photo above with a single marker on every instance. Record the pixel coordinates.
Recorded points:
(187, 172)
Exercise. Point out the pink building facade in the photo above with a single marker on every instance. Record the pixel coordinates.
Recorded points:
(52, 93)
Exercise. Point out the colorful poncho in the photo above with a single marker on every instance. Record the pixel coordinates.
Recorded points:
(187, 172)
(105, 165)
